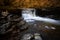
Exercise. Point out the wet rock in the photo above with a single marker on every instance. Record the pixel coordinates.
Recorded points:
(28, 36)
(37, 36)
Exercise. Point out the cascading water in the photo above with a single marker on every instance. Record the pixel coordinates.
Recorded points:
(29, 15)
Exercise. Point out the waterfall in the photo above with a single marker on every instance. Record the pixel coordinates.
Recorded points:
(29, 15)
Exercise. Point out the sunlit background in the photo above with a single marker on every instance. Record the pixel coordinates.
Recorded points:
(13, 4)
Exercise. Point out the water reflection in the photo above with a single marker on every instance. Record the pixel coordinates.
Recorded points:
(49, 27)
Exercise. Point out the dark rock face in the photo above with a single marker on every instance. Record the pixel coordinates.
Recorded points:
(49, 13)
(10, 26)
